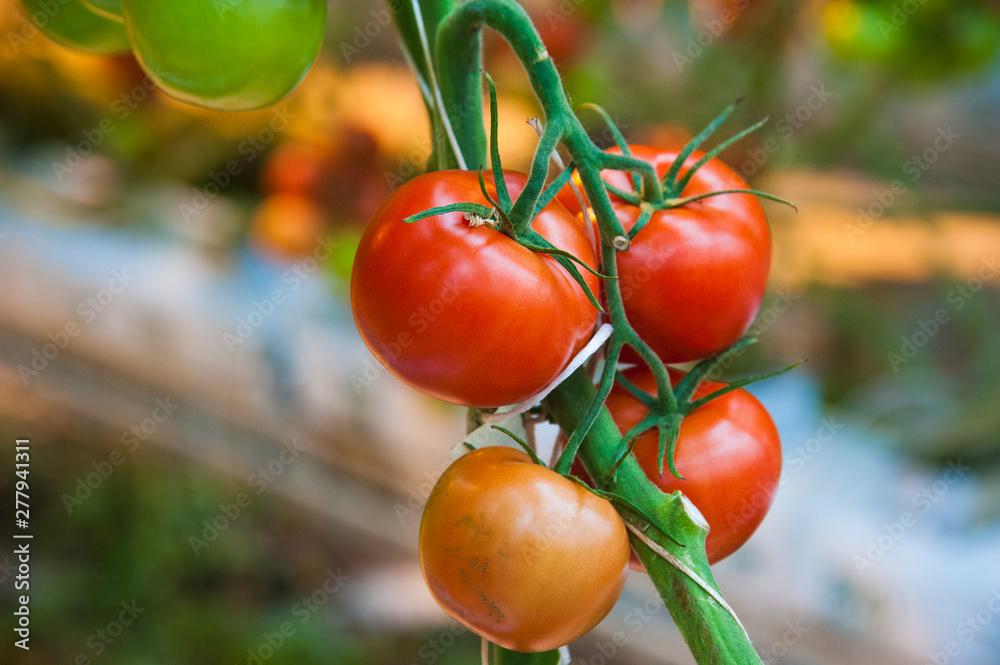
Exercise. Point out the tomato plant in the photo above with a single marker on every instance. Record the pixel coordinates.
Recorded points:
(451, 308)
(227, 55)
(73, 24)
(467, 290)
(728, 452)
(519, 554)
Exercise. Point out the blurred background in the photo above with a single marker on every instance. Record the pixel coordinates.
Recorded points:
(221, 473)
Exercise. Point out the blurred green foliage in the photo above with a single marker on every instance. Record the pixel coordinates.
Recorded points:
(127, 545)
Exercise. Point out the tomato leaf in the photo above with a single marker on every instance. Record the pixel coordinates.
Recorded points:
(629, 197)
(470, 208)
(736, 385)
(537, 243)
(671, 176)
(505, 225)
(682, 183)
(689, 384)
(553, 189)
(619, 139)
(528, 449)
(636, 391)
(669, 433)
(502, 194)
(676, 203)
(646, 214)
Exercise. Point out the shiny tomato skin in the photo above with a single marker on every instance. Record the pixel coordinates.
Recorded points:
(728, 451)
(228, 55)
(694, 277)
(518, 554)
(466, 314)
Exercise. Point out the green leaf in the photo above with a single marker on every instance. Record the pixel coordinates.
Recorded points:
(676, 203)
(682, 183)
(501, 184)
(687, 385)
(736, 385)
(521, 442)
(505, 225)
(646, 214)
(693, 144)
(474, 208)
(619, 139)
(553, 189)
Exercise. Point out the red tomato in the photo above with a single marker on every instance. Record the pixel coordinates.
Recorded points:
(728, 452)
(463, 313)
(518, 554)
(695, 276)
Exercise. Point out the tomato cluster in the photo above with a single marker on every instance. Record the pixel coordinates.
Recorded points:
(228, 54)
(458, 309)
(469, 307)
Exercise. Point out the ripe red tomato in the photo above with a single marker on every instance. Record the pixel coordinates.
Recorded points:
(463, 313)
(695, 276)
(728, 452)
(518, 554)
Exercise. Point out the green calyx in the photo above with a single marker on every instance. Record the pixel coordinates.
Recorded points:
(673, 183)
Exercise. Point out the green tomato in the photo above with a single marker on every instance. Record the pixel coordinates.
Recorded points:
(231, 55)
(70, 23)
(111, 9)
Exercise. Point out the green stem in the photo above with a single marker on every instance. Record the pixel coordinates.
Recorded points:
(416, 21)
(711, 631)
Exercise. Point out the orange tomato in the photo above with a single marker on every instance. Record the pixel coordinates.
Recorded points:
(519, 554)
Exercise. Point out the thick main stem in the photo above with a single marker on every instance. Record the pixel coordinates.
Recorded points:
(713, 634)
